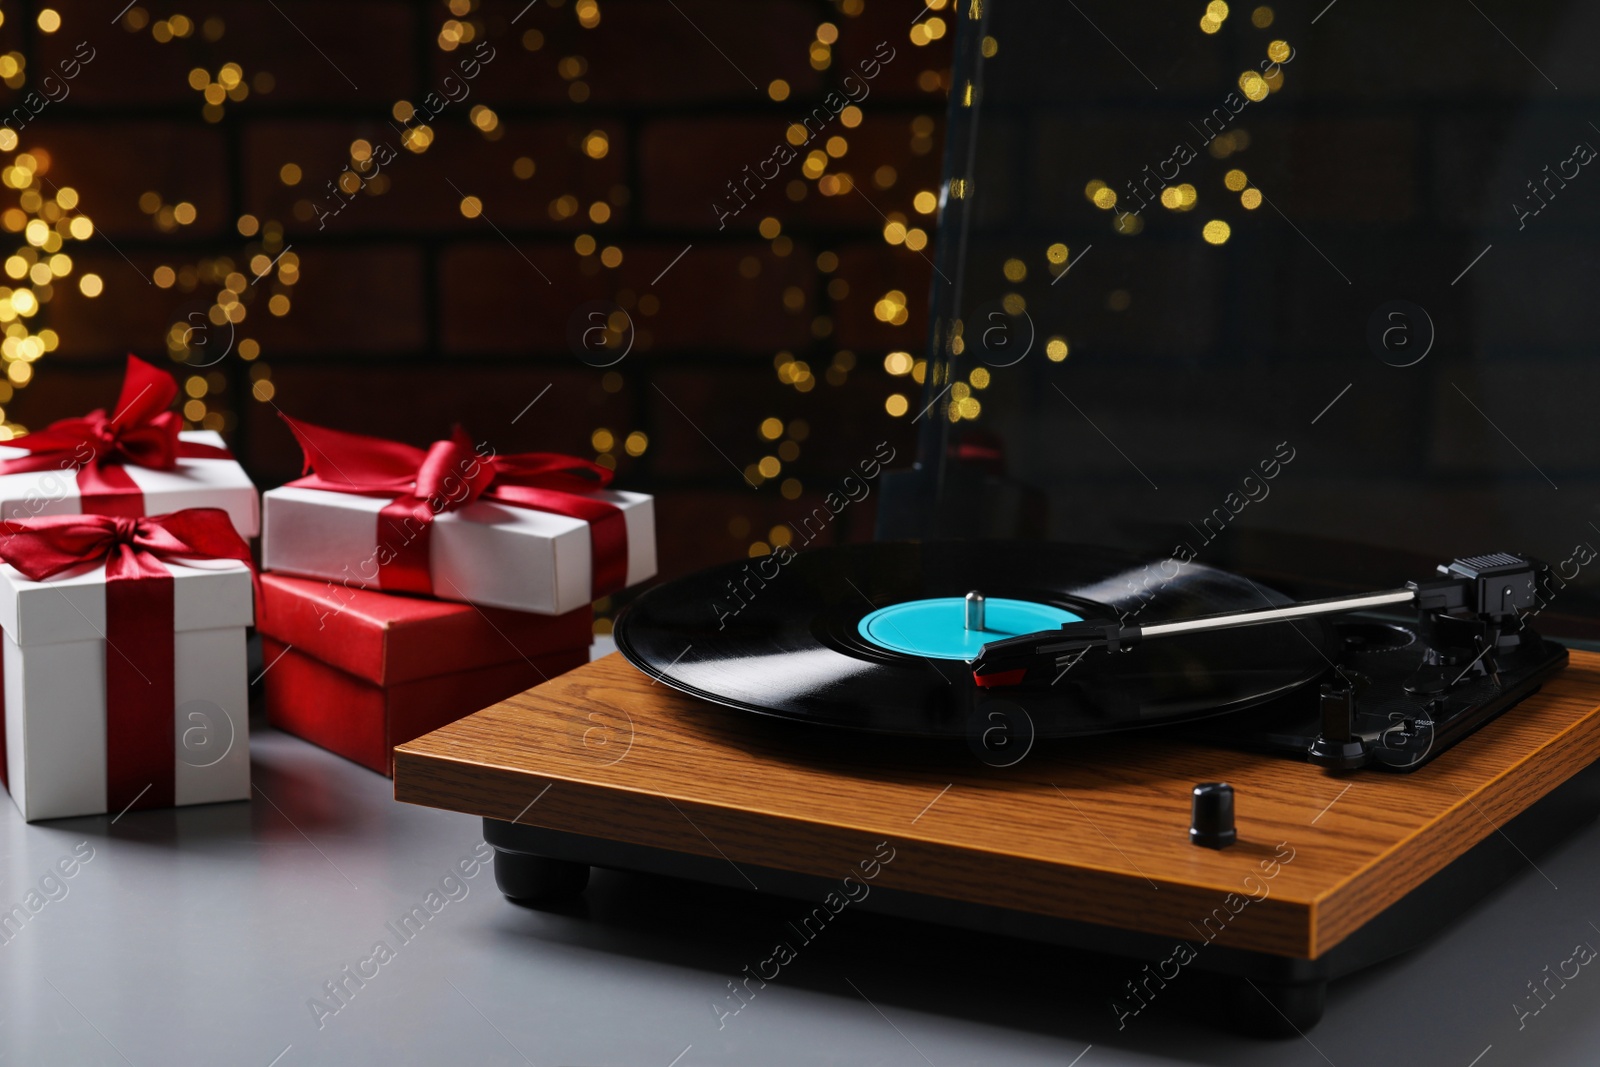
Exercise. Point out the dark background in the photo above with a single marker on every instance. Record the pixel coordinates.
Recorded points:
(1381, 168)
(1390, 151)
(405, 316)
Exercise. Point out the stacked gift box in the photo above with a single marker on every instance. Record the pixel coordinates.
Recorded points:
(359, 671)
(124, 600)
(402, 589)
(408, 587)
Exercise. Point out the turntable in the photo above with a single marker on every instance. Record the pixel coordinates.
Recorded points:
(1191, 769)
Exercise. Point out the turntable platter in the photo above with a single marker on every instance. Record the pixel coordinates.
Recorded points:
(871, 637)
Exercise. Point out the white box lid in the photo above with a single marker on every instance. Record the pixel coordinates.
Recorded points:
(206, 595)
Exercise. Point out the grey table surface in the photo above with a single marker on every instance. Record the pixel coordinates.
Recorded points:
(210, 935)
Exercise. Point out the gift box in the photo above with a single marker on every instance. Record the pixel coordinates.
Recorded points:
(123, 662)
(363, 722)
(358, 671)
(132, 462)
(533, 532)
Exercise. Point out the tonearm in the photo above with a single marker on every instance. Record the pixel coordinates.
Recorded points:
(1495, 589)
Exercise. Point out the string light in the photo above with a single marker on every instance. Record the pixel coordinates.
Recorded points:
(264, 269)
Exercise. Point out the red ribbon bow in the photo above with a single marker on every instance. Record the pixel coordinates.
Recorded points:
(140, 686)
(448, 476)
(44, 547)
(141, 432)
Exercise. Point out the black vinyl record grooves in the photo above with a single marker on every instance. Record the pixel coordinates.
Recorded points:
(782, 639)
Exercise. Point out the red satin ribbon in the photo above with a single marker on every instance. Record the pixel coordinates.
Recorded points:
(450, 475)
(140, 685)
(141, 431)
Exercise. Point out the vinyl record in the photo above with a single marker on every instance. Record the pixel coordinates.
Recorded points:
(801, 636)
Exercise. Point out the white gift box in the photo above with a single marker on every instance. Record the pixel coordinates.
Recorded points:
(193, 483)
(55, 687)
(484, 553)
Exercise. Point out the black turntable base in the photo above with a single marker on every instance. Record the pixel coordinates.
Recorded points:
(796, 744)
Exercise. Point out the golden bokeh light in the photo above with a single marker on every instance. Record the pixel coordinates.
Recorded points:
(891, 308)
(226, 284)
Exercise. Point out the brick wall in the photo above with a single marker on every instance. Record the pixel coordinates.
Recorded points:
(408, 310)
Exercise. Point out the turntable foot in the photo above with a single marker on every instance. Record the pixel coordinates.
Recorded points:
(536, 879)
(1273, 1009)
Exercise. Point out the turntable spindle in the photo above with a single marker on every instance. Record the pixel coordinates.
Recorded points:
(974, 610)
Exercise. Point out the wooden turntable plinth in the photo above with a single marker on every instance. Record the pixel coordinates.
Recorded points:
(1089, 838)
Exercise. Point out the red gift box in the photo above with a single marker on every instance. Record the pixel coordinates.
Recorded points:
(358, 671)
(363, 722)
